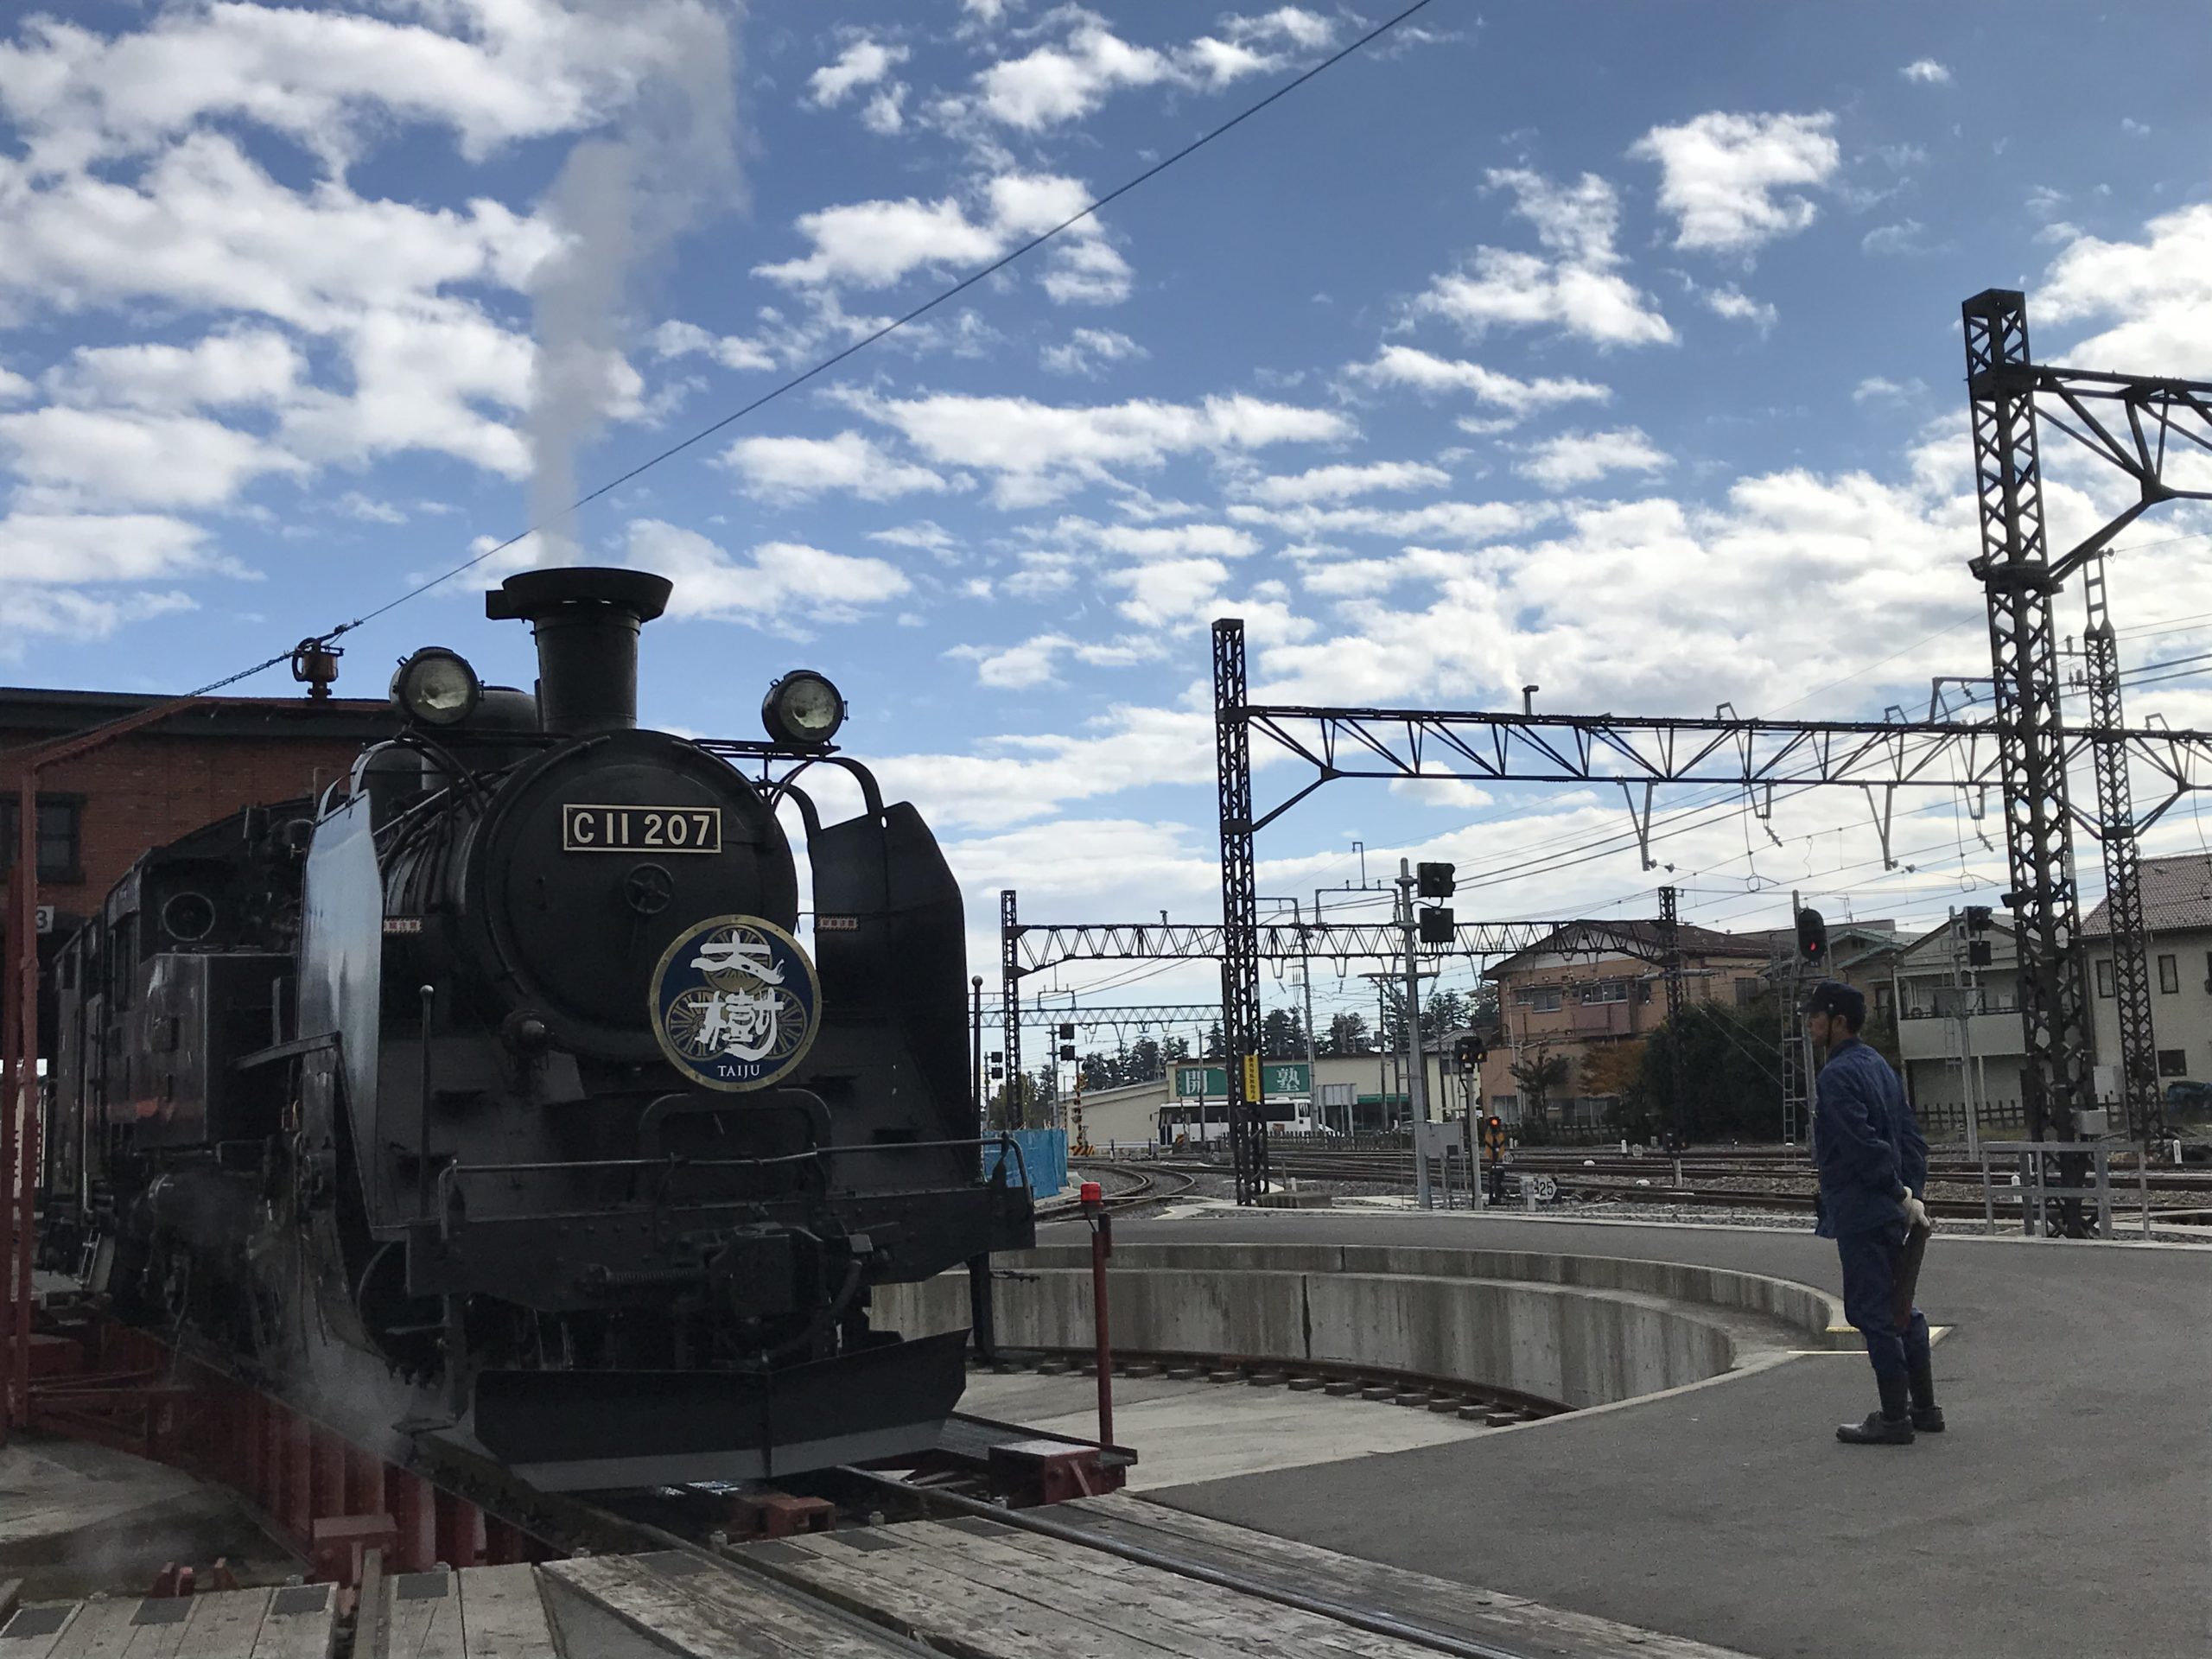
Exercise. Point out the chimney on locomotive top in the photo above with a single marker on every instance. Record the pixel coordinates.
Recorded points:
(586, 618)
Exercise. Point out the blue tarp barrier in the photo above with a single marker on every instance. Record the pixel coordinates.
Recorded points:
(1044, 1155)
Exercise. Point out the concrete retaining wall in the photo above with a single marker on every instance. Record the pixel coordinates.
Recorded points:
(1582, 1330)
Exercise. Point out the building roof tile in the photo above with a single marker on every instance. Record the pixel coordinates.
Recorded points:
(2177, 893)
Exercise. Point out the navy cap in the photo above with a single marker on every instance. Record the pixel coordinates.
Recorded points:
(1834, 996)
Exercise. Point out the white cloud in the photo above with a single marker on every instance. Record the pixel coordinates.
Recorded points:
(926, 534)
(1019, 667)
(886, 113)
(1086, 349)
(2152, 298)
(674, 339)
(38, 547)
(784, 586)
(1404, 365)
(1069, 78)
(864, 62)
(875, 244)
(1737, 306)
(206, 228)
(798, 469)
(1584, 457)
(113, 458)
(1016, 668)
(1466, 522)
(1719, 175)
(1927, 72)
(1902, 237)
(28, 611)
(1339, 483)
(1876, 389)
(1757, 597)
(13, 387)
(499, 73)
(1160, 541)
(1579, 291)
(1086, 271)
(1039, 452)
(254, 366)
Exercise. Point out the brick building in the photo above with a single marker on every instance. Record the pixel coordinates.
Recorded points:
(98, 813)
(1574, 994)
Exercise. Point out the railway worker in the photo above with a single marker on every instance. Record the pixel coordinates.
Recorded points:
(1873, 1171)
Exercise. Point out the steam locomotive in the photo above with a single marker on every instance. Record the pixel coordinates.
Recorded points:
(493, 1097)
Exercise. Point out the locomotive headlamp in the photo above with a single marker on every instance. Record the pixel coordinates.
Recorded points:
(437, 687)
(803, 709)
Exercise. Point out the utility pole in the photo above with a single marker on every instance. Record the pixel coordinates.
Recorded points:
(1416, 1074)
(1965, 999)
(1010, 1005)
(1671, 943)
(982, 1083)
(1306, 974)
(1382, 983)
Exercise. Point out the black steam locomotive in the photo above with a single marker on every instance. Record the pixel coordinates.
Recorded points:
(493, 1097)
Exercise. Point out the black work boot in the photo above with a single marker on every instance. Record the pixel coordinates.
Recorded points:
(1927, 1415)
(1891, 1426)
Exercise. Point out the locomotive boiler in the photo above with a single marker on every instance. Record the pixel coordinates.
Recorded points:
(496, 1096)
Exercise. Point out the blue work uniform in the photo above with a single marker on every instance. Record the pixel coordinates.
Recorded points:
(1869, 1152)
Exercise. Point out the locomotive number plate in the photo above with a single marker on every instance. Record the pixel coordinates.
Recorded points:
(586, 828)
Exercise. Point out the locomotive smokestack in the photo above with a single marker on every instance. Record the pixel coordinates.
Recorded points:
(586, 618)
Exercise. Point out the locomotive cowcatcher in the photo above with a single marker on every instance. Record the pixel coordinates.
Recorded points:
(491, 1100)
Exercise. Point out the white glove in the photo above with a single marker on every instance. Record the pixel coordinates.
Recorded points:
(1916, 1215)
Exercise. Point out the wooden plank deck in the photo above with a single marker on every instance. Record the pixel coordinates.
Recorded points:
(1442, 1604)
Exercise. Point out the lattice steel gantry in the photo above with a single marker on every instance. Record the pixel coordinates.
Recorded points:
(1240, 909)
(2157, 417)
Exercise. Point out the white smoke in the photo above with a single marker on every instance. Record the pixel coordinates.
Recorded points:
(670, 158)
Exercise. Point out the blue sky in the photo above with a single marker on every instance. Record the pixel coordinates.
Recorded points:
(1612, 347)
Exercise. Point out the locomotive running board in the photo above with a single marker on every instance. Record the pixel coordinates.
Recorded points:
(597, 1431)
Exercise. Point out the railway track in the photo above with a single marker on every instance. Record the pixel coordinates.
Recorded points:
(1140, 1185)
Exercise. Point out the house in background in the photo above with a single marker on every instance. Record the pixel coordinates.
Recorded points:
(1592, 985)
(1959, 1028)
(2177, 912)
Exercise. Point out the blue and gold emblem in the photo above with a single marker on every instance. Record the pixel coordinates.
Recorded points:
(735, 1003)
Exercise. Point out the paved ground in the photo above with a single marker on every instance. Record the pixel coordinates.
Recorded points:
(1185, 1432)
(2069, 1511)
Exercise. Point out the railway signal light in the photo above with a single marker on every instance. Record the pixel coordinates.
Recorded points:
(1812, 938)
(1067, 1050)
(1437, 926)
(1979, 954)
(1065, 1031)
(1433, 881)
(1978, 918)
(1463, 1054)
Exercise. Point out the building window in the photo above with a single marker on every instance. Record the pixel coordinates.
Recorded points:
(2169, 975)
(1545, 1001)
(2104, 975)
(2173, 1061)
(61, 820)
(1606, 990)
(1747, 991)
